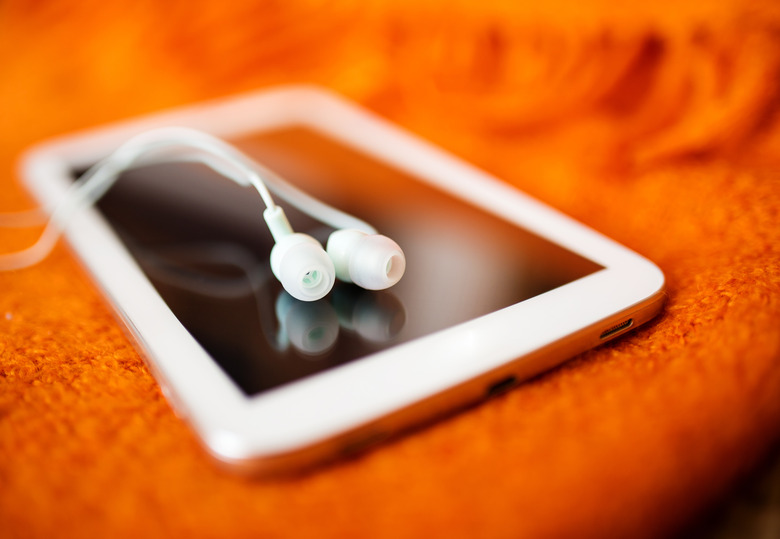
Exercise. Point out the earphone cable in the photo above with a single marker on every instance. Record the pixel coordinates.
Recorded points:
(151, 146)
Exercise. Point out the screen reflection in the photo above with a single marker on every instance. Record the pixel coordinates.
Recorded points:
(202, 242)
(206, 278)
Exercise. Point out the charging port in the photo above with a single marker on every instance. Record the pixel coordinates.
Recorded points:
(617, 329)
(502, 386)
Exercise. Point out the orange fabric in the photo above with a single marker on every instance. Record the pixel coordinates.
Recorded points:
(655, 123)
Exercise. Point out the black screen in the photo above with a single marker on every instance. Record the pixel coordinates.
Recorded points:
(202, 243)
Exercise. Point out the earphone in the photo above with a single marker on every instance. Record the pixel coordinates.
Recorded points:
(311, 329)
(355, 251)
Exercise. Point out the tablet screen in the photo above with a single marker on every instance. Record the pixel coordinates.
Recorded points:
(202, 242)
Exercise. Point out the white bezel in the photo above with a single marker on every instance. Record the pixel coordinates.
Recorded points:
(318, 410)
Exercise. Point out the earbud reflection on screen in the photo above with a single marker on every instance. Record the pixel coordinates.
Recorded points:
(376, 317)
(312, 328)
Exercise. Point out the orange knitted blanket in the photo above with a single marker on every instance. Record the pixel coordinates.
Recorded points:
(655, 123)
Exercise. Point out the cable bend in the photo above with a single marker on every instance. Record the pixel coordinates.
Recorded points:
(181, 144)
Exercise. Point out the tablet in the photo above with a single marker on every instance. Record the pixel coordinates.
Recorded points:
(498, 287)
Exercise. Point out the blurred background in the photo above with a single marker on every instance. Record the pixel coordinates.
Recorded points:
(653, 122)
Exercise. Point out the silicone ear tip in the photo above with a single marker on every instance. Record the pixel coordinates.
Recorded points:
(377, 263)
(303, 267)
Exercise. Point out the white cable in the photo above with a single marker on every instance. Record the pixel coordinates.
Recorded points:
(312, 206)
(177, 137)
(100, 177)
(280, 187)
(211, 151)
(191, 151)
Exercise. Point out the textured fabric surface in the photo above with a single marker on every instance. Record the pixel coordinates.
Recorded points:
(655, 124)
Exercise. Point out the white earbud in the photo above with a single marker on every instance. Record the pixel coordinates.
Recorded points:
(371, 261)
(355, 252)
(298, 260)
(303, 267)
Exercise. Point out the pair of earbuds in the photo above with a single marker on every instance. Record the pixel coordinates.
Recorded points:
(310, 329)
(355, 252)
(307, 271)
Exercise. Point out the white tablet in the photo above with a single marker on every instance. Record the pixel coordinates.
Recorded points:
(498, 286)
